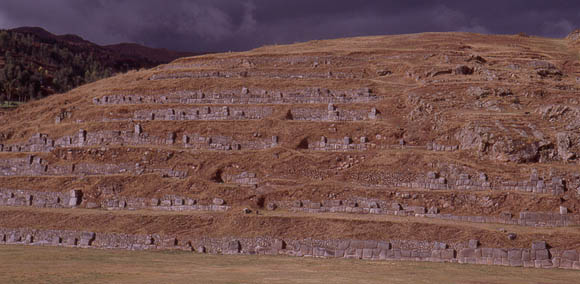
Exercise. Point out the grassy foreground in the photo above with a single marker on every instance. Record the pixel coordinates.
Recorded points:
(60, 265)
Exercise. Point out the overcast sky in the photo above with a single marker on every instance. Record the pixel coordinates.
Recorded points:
(222, 25)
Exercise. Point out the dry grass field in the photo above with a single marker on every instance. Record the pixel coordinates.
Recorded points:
(58, 265)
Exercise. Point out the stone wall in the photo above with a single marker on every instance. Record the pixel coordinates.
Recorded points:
(74, 199)
(340, 145)
(167, 203)
(245, 96)
(332, 113)
(390, 207)
(432, 146)
(244, 178)
(204, 113)
(35, 166)
(225, 143)
(538, 255)
(278, 74)
(268, 62)
(10, 197)
(434, 181)
(137, 137)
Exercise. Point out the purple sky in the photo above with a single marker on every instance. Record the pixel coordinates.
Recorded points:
(222, 25)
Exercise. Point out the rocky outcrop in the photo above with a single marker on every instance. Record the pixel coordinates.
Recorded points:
(567, 142)
(574, 35)
(504, 144)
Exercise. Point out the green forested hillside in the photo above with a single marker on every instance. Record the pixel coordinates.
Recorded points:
(35, 63)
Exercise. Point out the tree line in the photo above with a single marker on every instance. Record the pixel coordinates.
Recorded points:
(32, 69)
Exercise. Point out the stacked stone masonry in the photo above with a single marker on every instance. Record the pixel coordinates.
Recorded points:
(41, 142)
(341, 145)
(10, 197)
(245, 96)
(386, 207)
(433, 181)
(332, 114)
(205, 113)
(538, 255)
(225, 143)
(244, 178)
(441, 148)
(281, 61)
(73, 199)
(256, 74)
(35, 166)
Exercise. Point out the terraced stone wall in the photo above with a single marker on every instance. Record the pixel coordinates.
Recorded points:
(332, 114)
(386, 207)
(138, 138)
(538, 255)
(39, 167)
(434, 181)
(278, 74)
(204, 113)
(73, 199)
(340, 145)
(245, 96)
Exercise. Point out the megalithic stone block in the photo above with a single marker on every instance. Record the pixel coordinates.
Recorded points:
(138, 129)
(75, 197)
(233, 247)
(29, 239)
(87, 238)
(536, 245)
(71, 241)
(82, 136)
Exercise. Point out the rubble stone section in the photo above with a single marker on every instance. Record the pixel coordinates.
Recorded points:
(245, 96)
(386, 207)
(538, 255)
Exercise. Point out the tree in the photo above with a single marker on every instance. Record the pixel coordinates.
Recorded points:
(4, 38)
(31, 92)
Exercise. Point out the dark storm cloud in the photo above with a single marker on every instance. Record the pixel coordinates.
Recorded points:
(221, 25)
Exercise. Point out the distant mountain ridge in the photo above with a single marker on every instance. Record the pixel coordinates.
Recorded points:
(135, 51)
(35, 63)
